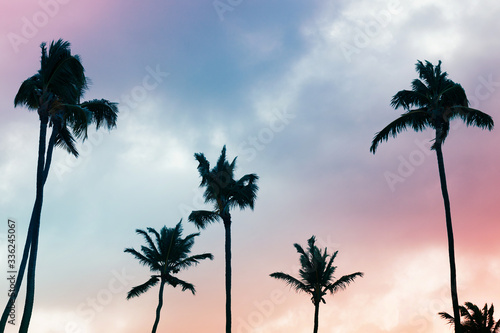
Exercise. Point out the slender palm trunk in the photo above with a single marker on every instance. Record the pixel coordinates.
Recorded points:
(50, 149)
(20, 275)
(451, 245)
(30, 287)
(158, 308)
(42, 170)
(227, 227)
(35, 224)
(316, 317)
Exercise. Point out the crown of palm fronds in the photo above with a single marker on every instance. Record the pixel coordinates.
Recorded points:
(474, 320)
(166, 253)
(55, 91)
(222, 190)
(437, 100)
(316, 273)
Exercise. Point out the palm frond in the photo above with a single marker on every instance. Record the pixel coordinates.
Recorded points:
(343, 282)
(165, 241)
(247, 179)
(29, 93)
(184, 246)
(244, 192)
(409, 98)
(63, 73)
(66, 81)
(143, 259)
(291, 281)
(155, 259)
(58, 50)
(429, 73)
(473, 117)
(449, 318)
(203, 168)
(221, 162)
(303, 255)
(103, 112)
(77, 118)
(202, 218)
(496, 325)
(174, 281)
(311, 244)
(193, 260)
(423, 92)
(417, 119)
(66, 140)
(148, 239)
(453, 94)
(330, 269)
(141, 289)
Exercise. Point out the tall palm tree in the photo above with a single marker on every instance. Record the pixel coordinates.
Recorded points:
(225, 193)
(167, 255)
(436, 100)
(475, 320)
(54, 92)
(316, 276)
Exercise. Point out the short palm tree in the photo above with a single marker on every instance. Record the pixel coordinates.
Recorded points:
(225, 193)
(54, 92)
(436, 100)
(475, 320)
(316, 276)
(167, 255)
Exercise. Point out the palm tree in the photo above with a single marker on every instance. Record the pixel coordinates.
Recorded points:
(316, 276)
(437, 100)
(225, 193)
(475, 320)
(55, 92)
(167, 255)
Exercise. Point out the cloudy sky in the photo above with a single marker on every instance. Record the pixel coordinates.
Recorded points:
(296, 90)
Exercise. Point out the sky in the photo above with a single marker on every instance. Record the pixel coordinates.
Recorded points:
(296, 90)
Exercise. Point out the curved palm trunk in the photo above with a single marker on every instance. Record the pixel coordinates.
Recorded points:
(227, 228)
(30, 288)
(35, 215)
(158, 308)
(451, 245)
(316, 317)
(20, 275)
(34, 229)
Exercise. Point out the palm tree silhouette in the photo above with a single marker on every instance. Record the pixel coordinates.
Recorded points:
(225, 193)
(437, 100)
(475, 320)
(167, 255)
(316, 276)
(55, 93)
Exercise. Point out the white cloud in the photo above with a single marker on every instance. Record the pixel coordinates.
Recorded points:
(18, 160)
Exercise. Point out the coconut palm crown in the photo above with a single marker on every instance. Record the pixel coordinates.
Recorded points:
(316, 276)
(165, 255)
(55, 92)
(432, 102)
(222, 190)
(475, 320)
